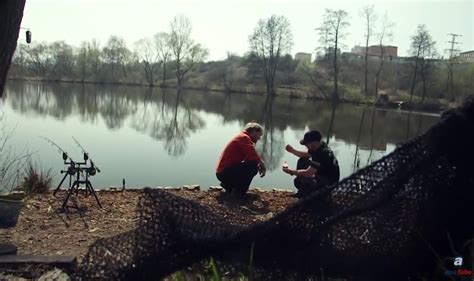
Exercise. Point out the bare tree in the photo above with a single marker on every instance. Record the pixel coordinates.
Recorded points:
(316, 77)
(20, 56)
(147, 54)
(63, 59)
(324, 38)
(115, 54)
(271, 39)
(162, 45)
(95, 58)
(421, 43)
(227, 74)
(384, 34)
(40, 59)
(334, 24)
(82, 59)
(370, 17)
(427, 67)
(186, 53)
(227, 71)
(90, 60)
(11, 13)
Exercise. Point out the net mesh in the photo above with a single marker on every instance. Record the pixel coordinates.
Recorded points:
(397, 218)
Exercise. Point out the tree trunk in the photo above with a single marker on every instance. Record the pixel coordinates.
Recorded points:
(178, 62)
(83, 73)
(11, 13)
(335, 96)
(124, 70)
(379, 71)
(376, 86)
(164, 74)
(267, 82)
(272, 84)
(414, 74)
(113, 73)
(423, 79)
(366, 73)
(149, 71)
(414, 80)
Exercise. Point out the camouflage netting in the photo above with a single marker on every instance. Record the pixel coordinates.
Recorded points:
(394, 219)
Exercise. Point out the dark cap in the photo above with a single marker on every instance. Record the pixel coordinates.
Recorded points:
(310, 137)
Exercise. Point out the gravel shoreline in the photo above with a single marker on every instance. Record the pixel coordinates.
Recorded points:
(43, 230)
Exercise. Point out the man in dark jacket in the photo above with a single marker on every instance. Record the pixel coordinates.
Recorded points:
(240, 162)
(316, 167)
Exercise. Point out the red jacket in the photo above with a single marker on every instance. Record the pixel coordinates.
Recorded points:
(240, 148)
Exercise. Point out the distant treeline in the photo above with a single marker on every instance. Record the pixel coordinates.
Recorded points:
(173, 59)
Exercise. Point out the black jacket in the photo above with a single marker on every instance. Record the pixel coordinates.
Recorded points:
(328, 166)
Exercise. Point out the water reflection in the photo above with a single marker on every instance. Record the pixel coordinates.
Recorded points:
(356, 164)
(177, 120)
(329, 132)
(176, 126)
(273, 140)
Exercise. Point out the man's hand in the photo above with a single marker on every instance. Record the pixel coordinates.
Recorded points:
(289, 148)
(286, 170)
(262, 169)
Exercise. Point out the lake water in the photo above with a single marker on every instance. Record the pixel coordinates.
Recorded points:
(154, 137)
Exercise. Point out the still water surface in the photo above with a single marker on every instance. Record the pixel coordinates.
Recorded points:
(154, 137)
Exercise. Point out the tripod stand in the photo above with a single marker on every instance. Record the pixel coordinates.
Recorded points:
(71, 170)
(78, 168)
(89, 189)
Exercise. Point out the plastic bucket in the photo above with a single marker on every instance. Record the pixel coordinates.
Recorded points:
(10, 206)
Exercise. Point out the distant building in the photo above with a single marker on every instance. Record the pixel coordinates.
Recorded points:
(389, 52)
(351, 56)
(466, 57)
(358, 50)
(304, 57)
(327, 53)
(330, 50)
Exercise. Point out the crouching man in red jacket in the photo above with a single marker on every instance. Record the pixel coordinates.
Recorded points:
(239, 162)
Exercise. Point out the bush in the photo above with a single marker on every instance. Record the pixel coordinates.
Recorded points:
(35, 180)
(11, 161)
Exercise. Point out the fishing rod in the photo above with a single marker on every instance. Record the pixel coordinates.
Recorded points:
(65, 154)
(76, 169)
(73, 166)
(86, 155)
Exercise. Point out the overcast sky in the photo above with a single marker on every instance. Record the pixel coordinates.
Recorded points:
(224, 25)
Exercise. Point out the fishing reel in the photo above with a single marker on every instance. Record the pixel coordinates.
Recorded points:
(71, 170)
(91, 170)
